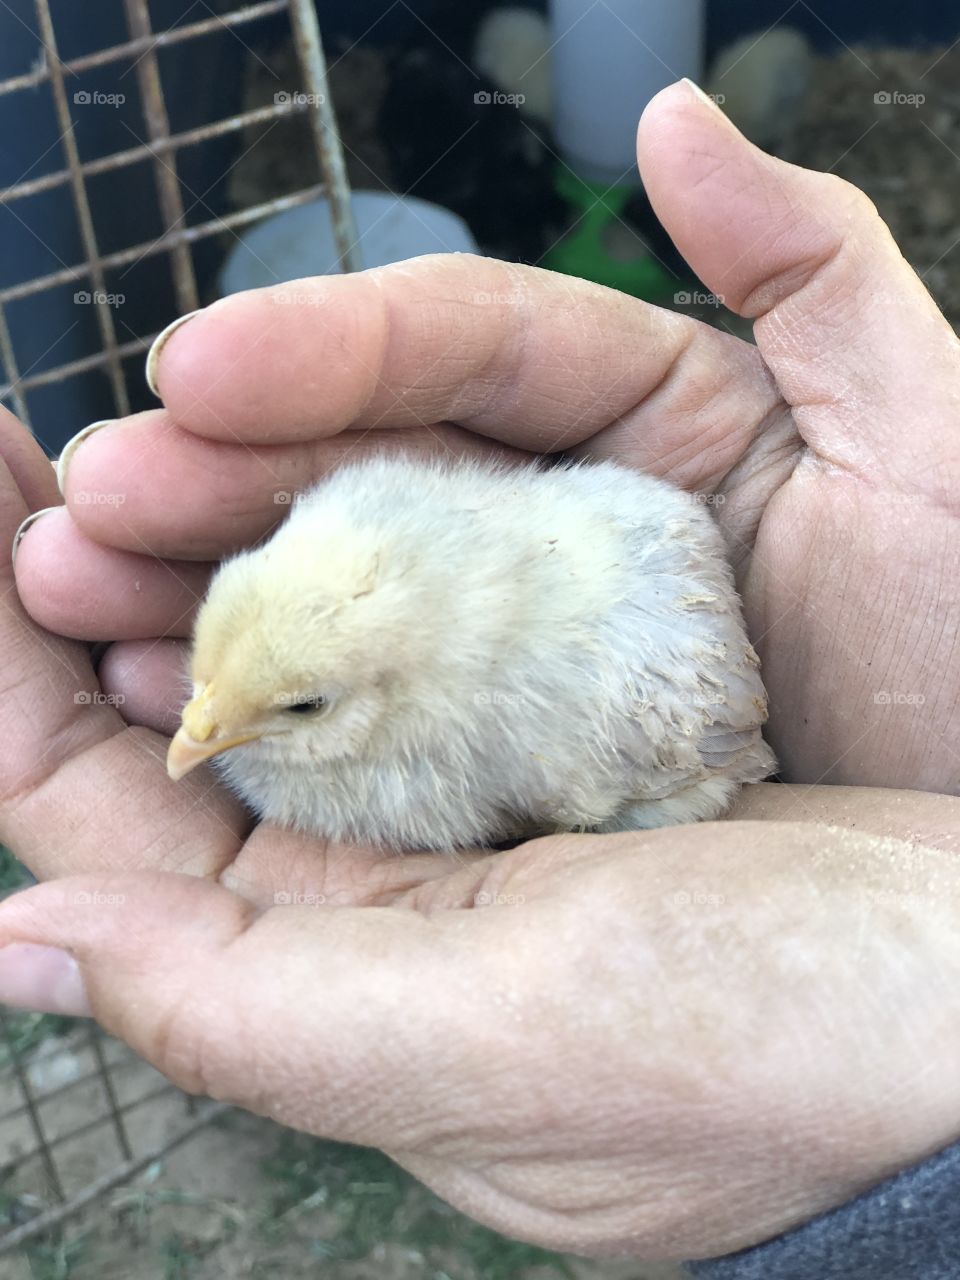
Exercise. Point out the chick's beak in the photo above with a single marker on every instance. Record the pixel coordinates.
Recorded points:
(199, 737)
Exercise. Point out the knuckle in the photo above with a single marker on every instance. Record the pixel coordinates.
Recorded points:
(850, 200)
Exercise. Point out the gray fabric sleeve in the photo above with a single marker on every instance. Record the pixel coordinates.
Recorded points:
(905, 1229)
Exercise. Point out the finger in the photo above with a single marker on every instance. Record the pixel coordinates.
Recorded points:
(65, 746)
(323, 983)
(96, 796)
(917, 816)
(148, 681)
(524, 356)
(854, 340)
(183, 496)
(76, 587)
(28, 465)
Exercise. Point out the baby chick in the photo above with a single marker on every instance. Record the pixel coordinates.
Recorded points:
(428, 655)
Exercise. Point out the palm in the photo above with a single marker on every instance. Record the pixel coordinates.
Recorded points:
(843, 592)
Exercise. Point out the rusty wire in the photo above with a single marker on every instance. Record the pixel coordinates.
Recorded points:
(162, 149)
(44, 1151)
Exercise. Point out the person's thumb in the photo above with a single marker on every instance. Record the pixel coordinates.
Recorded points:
(853, 338)
(327, 1019)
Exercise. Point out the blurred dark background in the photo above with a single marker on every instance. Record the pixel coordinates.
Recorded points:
(852, 20)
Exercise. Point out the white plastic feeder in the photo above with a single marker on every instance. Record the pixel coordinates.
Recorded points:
(608, 62)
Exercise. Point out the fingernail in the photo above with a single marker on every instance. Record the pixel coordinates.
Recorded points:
(159, 342)
(44, 979)
(73, 444)
(32, 518)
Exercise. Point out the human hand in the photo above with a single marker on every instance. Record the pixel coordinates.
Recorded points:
(256, 402)
(670, 1044)
(825, 450)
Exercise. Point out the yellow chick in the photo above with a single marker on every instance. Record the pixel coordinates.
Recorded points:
(432, 655)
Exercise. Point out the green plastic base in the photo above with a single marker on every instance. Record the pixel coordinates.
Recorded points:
(581, 252)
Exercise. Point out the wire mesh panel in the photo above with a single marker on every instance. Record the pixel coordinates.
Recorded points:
(125, 209)
(133, 206)
(79, 1115)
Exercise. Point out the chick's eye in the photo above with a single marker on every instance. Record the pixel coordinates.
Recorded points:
(306, 706)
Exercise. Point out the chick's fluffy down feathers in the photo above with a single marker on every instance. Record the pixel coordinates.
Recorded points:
(498, 652)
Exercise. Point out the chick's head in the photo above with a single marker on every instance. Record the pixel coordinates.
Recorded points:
(291, 650)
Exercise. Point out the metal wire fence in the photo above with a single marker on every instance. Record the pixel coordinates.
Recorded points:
(161, 149)
(61, 1090)
(45, 1091)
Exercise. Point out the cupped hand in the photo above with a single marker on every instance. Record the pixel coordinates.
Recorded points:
(675, 1042)
(829, 449)
(670, 1044)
